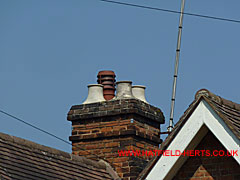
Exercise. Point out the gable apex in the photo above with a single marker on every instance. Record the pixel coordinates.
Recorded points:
(208, 112)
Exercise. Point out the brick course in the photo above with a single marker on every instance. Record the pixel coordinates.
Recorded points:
(105, 128)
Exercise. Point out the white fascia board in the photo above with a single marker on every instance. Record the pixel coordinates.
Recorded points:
(180, 142)
(222, 132)
(189, 136)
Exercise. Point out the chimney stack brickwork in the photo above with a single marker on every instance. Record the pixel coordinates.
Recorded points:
(101, 130)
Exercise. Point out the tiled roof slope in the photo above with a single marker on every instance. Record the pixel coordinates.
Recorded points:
(227, 110)
(22, 159)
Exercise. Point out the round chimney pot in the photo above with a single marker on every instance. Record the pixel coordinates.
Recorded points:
(124, 90)
(107, 79)
(139, 92)
(95, 94)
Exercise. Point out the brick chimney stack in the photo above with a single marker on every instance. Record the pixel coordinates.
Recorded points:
(102, 129)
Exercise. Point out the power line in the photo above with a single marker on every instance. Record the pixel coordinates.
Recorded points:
(35, 127)
(39, 129)
(171, 11)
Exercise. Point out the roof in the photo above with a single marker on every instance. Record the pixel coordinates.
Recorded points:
(227, 110)
(22, 159)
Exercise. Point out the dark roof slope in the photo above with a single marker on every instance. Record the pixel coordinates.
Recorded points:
(22, 159)
(227, 110)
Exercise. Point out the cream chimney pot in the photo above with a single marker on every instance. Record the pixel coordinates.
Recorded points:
(124, 90)
(139, 92)
(95, 94)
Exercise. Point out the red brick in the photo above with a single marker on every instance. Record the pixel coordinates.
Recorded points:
(107, 150)
(201, 167)
(140, 145)
(93, 125)
(119, 128)
(206, 173)
(125, 122)
(123, 170)
(117, 164)
(112, 124)
(79, 127)
(106, 129)
(121, 159)
(112, 144)
(88, 136)
(120, 175)
(83, 153)
(199, 174)
(94, 146)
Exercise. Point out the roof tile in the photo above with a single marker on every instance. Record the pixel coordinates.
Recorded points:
(22, 159)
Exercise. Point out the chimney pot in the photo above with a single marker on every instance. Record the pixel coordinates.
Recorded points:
(107, 79)
(95, 94)
(139, 92)
(124, 90)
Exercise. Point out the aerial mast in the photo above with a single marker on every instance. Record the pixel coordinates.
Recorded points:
(170, 127)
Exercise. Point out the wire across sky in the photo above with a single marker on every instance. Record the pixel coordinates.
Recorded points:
(172, 11)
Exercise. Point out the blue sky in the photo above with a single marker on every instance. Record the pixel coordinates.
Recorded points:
(50, 50)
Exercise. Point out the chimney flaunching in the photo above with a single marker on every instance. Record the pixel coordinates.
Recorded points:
(101, 130)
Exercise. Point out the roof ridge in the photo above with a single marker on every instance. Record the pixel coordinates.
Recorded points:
(211, 96)
(51, 151)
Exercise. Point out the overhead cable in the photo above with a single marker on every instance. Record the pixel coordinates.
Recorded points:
(35, 127)
(172, 11)
(39, 129)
